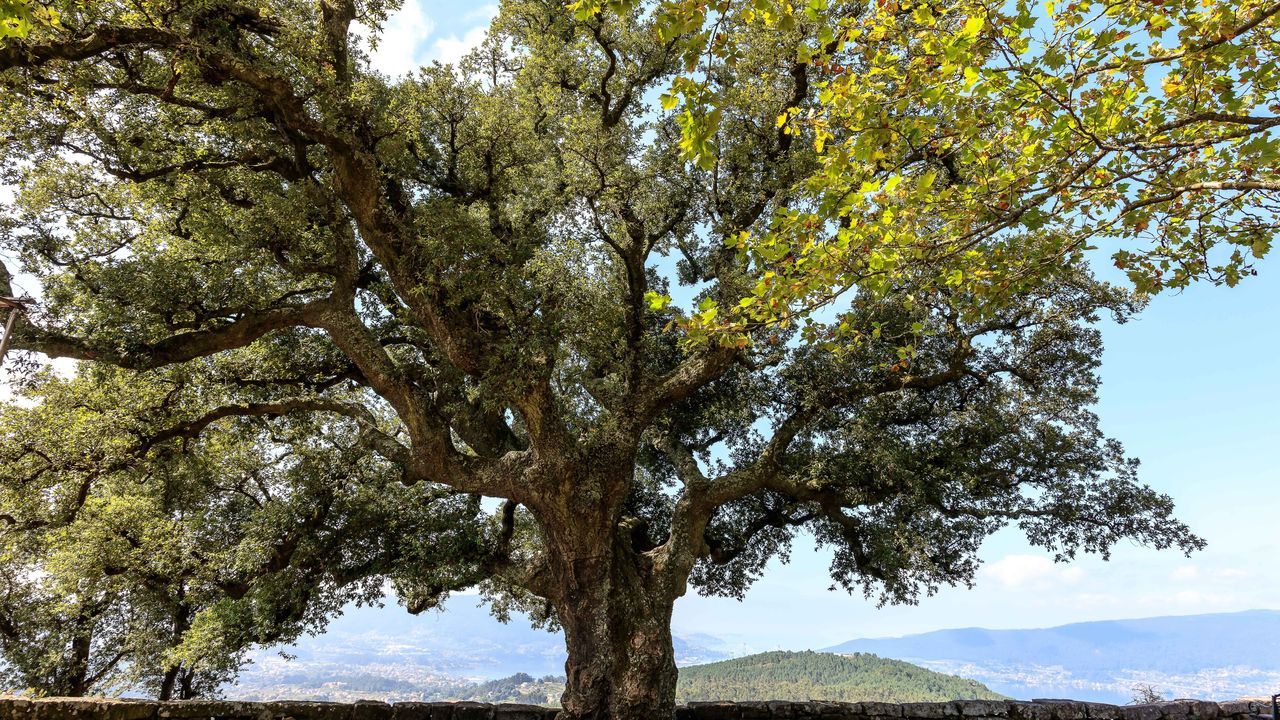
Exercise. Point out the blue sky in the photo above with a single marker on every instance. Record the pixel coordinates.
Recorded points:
(420, 32)
(1192, 387)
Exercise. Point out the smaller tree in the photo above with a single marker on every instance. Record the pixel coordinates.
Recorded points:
(55, 643)
(140, 554)
(1145, 694)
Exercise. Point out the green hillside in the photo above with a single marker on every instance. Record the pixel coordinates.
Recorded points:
(822, 676)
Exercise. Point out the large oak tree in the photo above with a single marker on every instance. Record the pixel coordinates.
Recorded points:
(873, 219)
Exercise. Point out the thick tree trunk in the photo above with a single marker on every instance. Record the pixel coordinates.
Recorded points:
(181, 624)
(617, 628)
(177, 684)
(168, 682)
(186, 687)
(73, 680)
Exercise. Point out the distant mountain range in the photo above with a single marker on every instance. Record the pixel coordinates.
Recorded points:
(388, 654)
(1218, 656)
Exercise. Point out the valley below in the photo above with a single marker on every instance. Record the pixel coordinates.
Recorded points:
(462, 654)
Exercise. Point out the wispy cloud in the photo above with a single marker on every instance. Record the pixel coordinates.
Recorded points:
(1031, 572)
(451, 49)
(409, 38)
(402, 41)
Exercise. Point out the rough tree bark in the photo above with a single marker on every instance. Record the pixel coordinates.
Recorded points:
(611, 598)
(77, 678)
(617, 626)
(176, 677)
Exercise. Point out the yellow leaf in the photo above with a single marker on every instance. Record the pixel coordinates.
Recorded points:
(972, 27)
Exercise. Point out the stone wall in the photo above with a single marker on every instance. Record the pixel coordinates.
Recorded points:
(14, 708)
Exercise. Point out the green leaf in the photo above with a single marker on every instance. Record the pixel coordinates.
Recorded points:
(657, 301)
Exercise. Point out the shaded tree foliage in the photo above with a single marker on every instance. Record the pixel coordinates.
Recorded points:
(143, 551)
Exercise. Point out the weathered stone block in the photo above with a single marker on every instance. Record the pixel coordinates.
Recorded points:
(851, 710)
(53, 708)
(982, 708)
(308, 710)
(441, 710)
(370, 710)
(15, 708)
(1202, 709)
(128, 710)
(1066, 709)
(830, 710)
(714, 711)
(522, 711)
(1031, 710)
(472, 711)
(1143, 712)
(928, 710)
(1237, 708)
(1101, 711)
(781, 709)
(1176, 710)
(211, 709)
(757, 710)
(811, 710)
(411, 711)
(881, 709)
(96, 708)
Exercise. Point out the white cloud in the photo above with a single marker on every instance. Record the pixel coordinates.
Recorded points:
(403, 36)
(408, 39)
(1192, 573)
(1034, 572)
(1194, 599)
(484, 13)
(451, 49)
(1090, 600)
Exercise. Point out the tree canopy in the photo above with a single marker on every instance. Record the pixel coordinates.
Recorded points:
(669, 281)
(152, 561)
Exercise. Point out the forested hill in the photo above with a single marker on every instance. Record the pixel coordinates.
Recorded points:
(822, 676)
